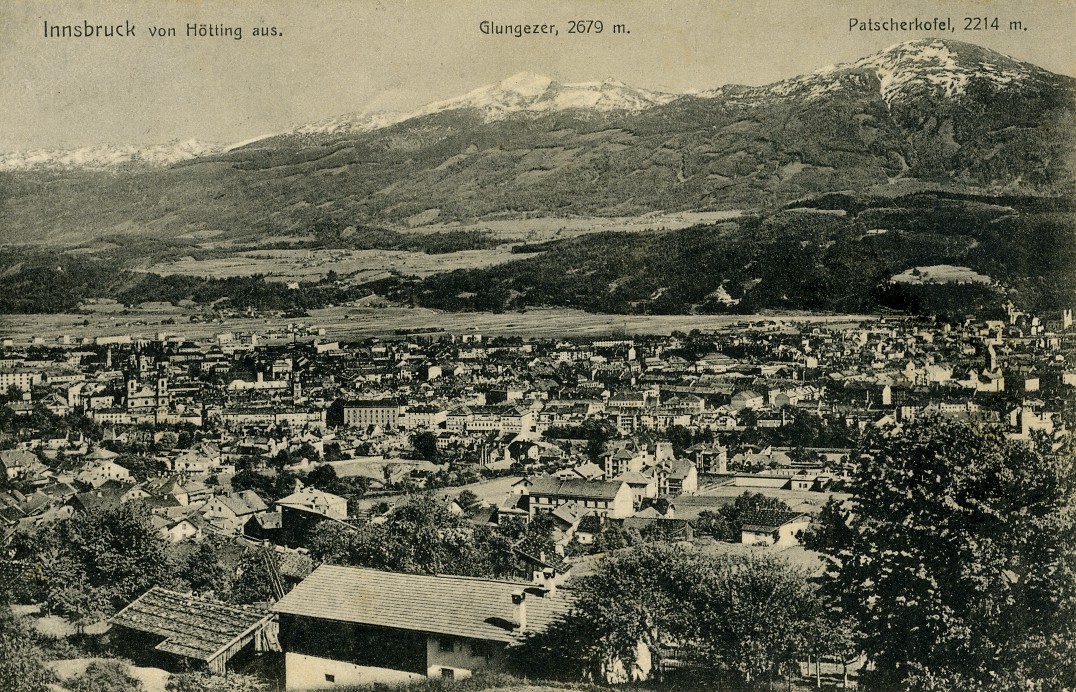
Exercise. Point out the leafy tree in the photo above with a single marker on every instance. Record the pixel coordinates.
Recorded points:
(333, 452)
(423, 536)
(610, 537)
(22, 667)
(204, 571)
(306, 451)
(680, 437)
(727, 522)
(253, 583)
(271, 487)
(142, 467)
(743, 617)
(762, 611)
(330, 542)
(12, 393)
(715, 524)
(828, 533)
(467, 500)
(425, 444)
(98, 561)
(958, 558)
(322, 477)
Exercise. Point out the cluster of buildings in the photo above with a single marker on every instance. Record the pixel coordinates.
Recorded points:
(627, 430)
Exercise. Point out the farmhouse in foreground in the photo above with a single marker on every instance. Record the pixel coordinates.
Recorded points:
(350, 626)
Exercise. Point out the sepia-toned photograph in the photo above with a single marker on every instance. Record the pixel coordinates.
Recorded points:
(489, 346)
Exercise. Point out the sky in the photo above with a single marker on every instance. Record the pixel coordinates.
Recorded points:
(336, 56)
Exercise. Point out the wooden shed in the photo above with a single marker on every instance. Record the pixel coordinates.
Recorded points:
(178, 631)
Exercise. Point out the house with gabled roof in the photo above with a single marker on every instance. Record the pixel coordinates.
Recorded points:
(772, 527)
(233, 510)
(15, 463)
(354, 626)
(304, 509)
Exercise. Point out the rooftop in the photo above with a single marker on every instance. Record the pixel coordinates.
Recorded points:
(192, 627)
(438, 604)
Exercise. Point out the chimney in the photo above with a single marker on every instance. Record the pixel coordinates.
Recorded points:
(519, 610)
(549, 581)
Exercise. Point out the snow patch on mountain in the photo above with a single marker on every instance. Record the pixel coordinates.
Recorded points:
(525, 93)
(108, 156)
(904, 71)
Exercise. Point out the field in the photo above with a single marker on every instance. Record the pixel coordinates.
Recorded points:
(349, 323)
(537, 230)
(362, 266)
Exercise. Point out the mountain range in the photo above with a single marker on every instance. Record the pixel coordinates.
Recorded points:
(936, 113)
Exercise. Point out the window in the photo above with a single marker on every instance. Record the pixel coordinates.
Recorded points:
(447, 674)
(447, 645)
(477, 650)
(330, 677)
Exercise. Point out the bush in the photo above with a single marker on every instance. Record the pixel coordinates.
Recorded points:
(104, 676)
(207, 682)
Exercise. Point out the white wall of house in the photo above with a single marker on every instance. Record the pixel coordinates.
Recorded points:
(303, 673)
(466, 656)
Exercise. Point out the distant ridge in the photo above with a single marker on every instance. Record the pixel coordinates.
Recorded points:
(930, 112)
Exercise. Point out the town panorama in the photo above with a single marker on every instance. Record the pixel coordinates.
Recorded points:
(554, 386)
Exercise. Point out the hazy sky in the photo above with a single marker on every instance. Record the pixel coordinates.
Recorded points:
(335, 57)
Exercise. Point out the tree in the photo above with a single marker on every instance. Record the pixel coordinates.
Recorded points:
(958, 558)
(253, 583)
(22, 667)
(744, 617)
(467, 500)
(142, 467)
(322, 477)
(828, 532)
(425, 444)
(203, 570)
(98, 561)
(422, 536)
(210, 682)
(748, 418)
(727, 522)
(761, 614)
(680, 437)
(333, 451)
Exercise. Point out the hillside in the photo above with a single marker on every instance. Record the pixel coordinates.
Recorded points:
(840, 253)
(937, 113)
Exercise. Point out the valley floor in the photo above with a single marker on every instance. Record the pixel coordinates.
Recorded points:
(360, 322)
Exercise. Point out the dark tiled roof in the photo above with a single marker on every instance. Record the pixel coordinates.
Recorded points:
(767, 518)
(456, 606)
(574, 488)
(192, 627)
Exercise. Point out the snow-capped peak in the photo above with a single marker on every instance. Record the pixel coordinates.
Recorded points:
(924, 66)
(525, 92)
(946, 67)
(530, 93)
